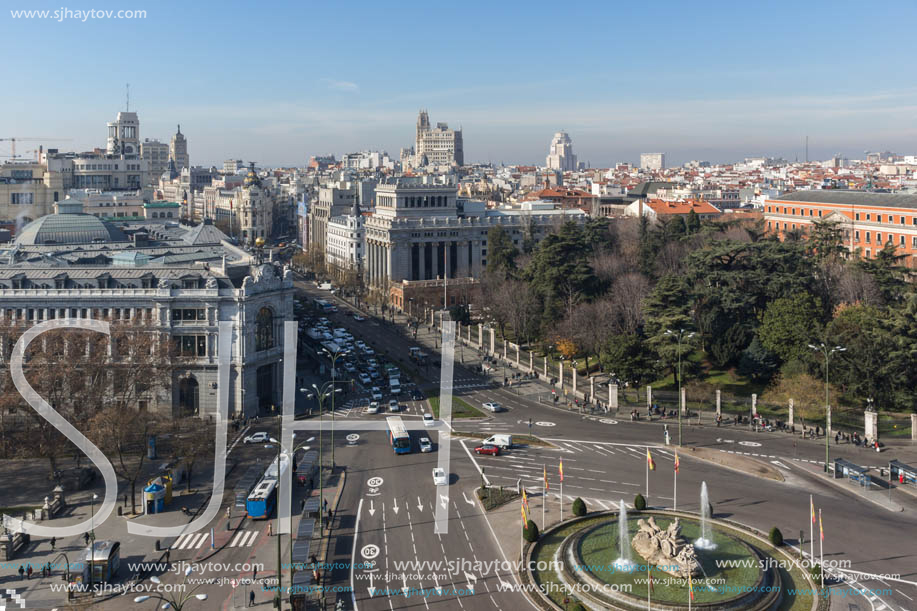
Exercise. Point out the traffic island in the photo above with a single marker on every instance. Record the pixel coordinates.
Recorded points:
(583, 560)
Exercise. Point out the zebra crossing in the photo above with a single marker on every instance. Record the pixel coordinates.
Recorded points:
(11, 598)
(197, 540)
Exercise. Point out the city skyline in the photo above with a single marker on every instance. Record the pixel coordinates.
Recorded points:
(696, 85)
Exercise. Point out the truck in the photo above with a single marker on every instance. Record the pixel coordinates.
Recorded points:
(325, 286)
(503, 441)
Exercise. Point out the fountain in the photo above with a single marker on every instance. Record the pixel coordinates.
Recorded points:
(705, 541)
(623, 564)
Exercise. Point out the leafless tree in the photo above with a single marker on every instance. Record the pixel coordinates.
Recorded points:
(626, 301)
(194, 443)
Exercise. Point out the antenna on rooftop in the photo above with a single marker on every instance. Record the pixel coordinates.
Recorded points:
(127, 101)
(807, 149)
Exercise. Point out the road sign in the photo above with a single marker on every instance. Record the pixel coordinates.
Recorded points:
(374, 482)
(370, 551)
(543, 423)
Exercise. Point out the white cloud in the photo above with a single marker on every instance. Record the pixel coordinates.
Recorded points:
(345, 86)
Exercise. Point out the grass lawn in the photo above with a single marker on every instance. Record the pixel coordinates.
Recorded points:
(460, 408)
(727, 380)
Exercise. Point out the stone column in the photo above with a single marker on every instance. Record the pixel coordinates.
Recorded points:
(613, 396)
(461, 252)
(719, 403)
(531, 362)
(517, 355)
(913, 427)
(592, 389)
(649, 396)
(573, 369)
(828, 421)
(493, 336)
(545, 366)
(504, 348)
(683, 402)
(560, 366)
(754, 405)
(871, 421)
(789, 421)
(422, 261)
(480, 335)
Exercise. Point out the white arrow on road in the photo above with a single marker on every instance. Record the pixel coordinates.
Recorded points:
(370, 588)
(395, 507)
(467, 500)
(444, 501)
(372, 509)
(472, 580)
(404, 580)
(419, 504)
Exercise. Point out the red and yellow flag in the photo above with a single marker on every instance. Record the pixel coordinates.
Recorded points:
(525, 500)
(544, 469)
(677, 464)
(821, 531)
(690, 587)
(525, 519)
(560, 469)
(650, 461)
(812, 508)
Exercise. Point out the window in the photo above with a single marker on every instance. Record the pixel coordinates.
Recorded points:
(868, 238)
(857, 216)
(878, 218)
(868, 217)
(878, 238)
(901, 240)
(22, 199)
(264, 330)
(191, 345)
(856, 236)
(914, 242)
(819, 213)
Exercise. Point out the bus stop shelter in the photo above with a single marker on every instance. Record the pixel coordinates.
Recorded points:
(853, 472)
(902, 473)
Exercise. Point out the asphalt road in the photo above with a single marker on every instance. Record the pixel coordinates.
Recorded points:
(605, 462)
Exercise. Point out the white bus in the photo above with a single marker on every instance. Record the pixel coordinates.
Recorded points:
(398, 435)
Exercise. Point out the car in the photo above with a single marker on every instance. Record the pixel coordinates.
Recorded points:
(368, 351)
(374, 374)
(360, 344)
(373, 408)
(376, 393)
(350, 368)
(416, 395)
(259, 437)
(487, 448)
(493, 407)
(439, 477)
(358, 318)
(393, 406)
(425, 445)
(365, 379)
(428, 420)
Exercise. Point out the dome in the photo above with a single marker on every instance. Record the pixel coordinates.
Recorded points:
(251, 179)
(68, 228)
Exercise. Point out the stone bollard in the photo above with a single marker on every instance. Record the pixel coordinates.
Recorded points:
(871, 428)
(683, 402)
(649, 396)
(613, 396)
(789, 421)
(913, 427)
(719, 403)
(754, 405)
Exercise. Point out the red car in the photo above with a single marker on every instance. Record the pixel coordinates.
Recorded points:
(487, 448)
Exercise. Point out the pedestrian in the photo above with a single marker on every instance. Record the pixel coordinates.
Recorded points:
(251, 598)
(28, 572)
(837, 437)
(331, 515)
(254, 572)
(302, 505)
(53, 543)
(21, 571)
(315, 575)
(270, 529)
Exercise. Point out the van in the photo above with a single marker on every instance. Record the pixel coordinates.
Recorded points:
(504, 442)
(395, 385)
(325, 286)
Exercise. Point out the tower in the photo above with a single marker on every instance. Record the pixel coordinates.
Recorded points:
(178, 150)
(124, 136)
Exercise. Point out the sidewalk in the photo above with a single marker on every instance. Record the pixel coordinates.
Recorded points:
(877, 493)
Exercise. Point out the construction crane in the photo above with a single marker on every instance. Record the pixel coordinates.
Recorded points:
(13, 142)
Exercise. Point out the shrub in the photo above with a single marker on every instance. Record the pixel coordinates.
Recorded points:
(530, 534)
(579, 507)
(639, 502)
(577, 607)
(776, 537)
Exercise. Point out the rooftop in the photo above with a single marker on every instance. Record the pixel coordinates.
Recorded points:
(851, 198)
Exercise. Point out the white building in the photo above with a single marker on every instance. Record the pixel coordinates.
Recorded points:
(652, 161)
(178, 149)
(434, 146)
(560, 154)
(345, 240)
(156, 154)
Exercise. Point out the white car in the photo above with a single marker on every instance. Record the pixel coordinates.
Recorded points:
(373, 408)
(358, 318)
(368, 351)
(260, 437)
(425, 445)
(428, 420)
(439, 477)
(393, 406)
(365, 379)
(376, 393)
(493, 407)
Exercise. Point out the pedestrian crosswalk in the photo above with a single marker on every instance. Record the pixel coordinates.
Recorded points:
(12, 599)
(244, 538)
(193, 540)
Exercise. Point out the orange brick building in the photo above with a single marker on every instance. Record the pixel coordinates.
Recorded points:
(869, 220)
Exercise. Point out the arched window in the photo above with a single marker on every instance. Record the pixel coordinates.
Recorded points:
(264, 330)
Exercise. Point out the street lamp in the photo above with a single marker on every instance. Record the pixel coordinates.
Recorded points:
(308, 395)
(680, 335)
(173, 602)
(827, 351)
(322, 393)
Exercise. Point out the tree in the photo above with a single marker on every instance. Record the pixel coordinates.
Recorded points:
(862, 370)
(194, 443)
(887, 271)
(560, 272)
(826, 241)
(788, 325)
(501, 253)
(692, 222)
(579, 507)
(757, 362)
(123, 432)
(807, 392)
(900, 366)
(629, 357)
(668, 308)
(639, 502)
(776, 537)
(530, 532)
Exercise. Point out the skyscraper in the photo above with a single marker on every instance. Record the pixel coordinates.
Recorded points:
(435, 146)
(560, 155)
(178, 148)
(652, 161)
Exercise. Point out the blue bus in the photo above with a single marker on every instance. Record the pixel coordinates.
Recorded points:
(398, 435)
(263, 497)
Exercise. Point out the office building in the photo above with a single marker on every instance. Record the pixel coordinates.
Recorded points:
(560, 154)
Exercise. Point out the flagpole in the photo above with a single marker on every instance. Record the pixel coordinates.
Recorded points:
(649, 589)
(647, 479)
(544, 501)
(821, 549)
(675, 493)
(561, 499)
(811, 528)
(690, 592)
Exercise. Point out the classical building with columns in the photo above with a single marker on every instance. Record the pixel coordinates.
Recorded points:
(421, 231)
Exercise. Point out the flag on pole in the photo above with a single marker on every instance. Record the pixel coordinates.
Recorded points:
(650, 461)
(677, 464)
(544, 469)
(652, 589)
(812, 507)
(560, 469)
(525, 519)
(821, 532)
(525, 500)
(690, 587)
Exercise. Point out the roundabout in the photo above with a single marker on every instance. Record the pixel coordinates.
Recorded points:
(587, 560)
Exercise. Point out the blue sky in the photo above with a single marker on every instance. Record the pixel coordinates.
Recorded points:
(275, 82)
